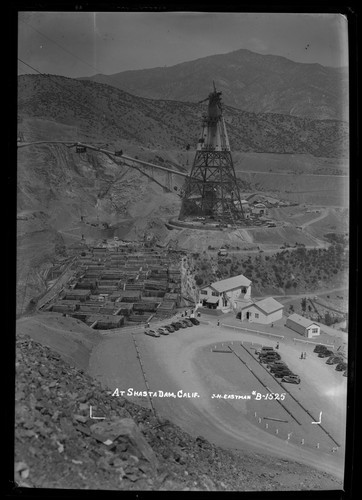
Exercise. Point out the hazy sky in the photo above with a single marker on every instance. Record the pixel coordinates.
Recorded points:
(81, 44)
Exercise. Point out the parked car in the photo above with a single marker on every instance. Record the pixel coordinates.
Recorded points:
(320, 348)
(275, 365)
(282, 373)
(269, 357)
(163, 331)
(278, 362)
(281, 369)
(268, 353)
(181, 323)
(176, 325)
(194, 321)
(170, 328)
(291, 379)
(325, 354)
(332, 360)
(341, 367)
(187, 322)
(266, 349)
(152, 333)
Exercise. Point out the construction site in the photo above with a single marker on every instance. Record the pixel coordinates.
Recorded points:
(114, 287)
(118, 289)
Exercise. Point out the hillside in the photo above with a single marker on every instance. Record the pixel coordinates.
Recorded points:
(58, 445)
(285, 271)
(57, 187)
(249, 81)
(106, 114)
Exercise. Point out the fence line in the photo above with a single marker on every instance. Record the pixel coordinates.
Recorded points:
(295, 399)
(313, 343)
(253, 331)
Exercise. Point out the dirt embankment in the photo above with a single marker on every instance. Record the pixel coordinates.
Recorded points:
(71, 338)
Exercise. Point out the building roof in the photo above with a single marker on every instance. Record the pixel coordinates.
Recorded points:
(300, 320)
(230, 283)
(269, 305)
(78, 291)
(212, 300)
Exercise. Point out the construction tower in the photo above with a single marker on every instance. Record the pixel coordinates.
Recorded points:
(211, 191)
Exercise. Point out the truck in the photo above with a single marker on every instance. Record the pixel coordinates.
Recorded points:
(222, 252)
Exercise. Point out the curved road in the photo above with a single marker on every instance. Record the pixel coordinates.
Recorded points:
(175, 363)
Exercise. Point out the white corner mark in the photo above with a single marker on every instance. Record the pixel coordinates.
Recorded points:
(91, 416)
(320, 419)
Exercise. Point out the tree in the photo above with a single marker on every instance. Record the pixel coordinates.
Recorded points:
(328, 320)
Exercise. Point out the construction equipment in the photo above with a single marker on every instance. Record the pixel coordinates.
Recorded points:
(211, 190)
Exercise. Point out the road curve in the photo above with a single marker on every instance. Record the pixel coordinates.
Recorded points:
(172, 363)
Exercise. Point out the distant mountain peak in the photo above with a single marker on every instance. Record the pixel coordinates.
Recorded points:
(250, 81)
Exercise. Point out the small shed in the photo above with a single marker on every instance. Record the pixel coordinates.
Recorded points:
(303, 326)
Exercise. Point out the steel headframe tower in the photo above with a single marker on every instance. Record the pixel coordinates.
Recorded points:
(211, 190)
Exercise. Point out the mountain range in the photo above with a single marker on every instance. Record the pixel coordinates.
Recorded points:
(249, 81)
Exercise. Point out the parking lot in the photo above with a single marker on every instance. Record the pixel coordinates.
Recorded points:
(185, 360)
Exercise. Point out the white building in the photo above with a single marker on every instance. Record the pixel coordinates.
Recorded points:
(303, 326)
(264, 311)
(224, 295)
(259, 209)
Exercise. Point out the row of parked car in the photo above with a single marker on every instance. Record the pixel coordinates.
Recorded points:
(172, 327)
(276, 366)
(332, 358)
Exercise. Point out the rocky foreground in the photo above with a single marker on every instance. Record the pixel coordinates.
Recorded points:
(58, 445)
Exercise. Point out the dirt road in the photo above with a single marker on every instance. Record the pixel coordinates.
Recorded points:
(183, 361)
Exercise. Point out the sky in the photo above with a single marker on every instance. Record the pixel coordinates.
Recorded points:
(76, 44)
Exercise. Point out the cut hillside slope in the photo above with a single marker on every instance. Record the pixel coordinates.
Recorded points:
(70, 338)
(58, 445)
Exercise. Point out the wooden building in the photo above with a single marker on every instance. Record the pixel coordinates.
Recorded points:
(303, 326)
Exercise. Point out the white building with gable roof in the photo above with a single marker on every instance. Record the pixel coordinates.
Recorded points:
(265, 311)
(225, 294)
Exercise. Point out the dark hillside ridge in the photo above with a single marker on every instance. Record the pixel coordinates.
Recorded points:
(249, 81)
(111, 114)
